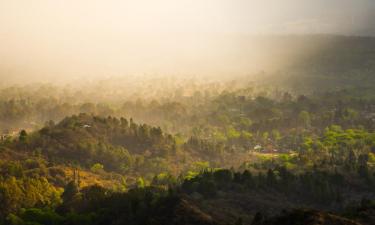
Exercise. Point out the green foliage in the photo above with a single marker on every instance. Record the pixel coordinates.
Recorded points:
(312, 187)
(40, 216)
(141, 182)
(304, 118)
(70, 192)
(97, 167)
(232, 133)
(25, 193)
(23, 136)
(98, 143)
(201, 166)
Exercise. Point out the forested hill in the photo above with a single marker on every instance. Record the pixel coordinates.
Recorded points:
(110, 141)
(109, 144)
(117, 144)
(110, 156)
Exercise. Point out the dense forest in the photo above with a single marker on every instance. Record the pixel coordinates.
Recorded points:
(289, 147)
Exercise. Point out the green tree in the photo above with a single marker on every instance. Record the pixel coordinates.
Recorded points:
(304, 118)
(97, 167)
(23, 136)
(70, 192)
(141, 182)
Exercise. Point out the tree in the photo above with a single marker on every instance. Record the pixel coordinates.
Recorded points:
(239, 221)
(23, 136)
(248, 179)
(223, 177)
(11, 196)
(141, 182)
(351, 161)
(70, 191)
(258, 219)
(304, 118)
(271, 178)
(276, 136)
(97, 167)
(207, 187)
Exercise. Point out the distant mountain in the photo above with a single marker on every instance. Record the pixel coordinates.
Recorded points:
(320, 62)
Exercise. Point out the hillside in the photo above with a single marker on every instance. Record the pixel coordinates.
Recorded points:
(95, 205)
(52, 167)
(307, 217)
(108, 151)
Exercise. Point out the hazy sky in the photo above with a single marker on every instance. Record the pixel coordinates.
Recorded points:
(94, 37)
(254, 16)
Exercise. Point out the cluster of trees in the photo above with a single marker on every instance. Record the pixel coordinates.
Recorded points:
(117, 144)
(234, 118)
(97, 205)
(243, 120)
(166, 203)
(154, 101)
(328, 168)
(122, 146)
(17, 193)
(28, 166)
(350, 151)
(314, 187)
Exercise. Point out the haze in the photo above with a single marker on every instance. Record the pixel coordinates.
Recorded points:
(44, 40)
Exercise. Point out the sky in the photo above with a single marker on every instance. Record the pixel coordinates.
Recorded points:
(57, 38)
